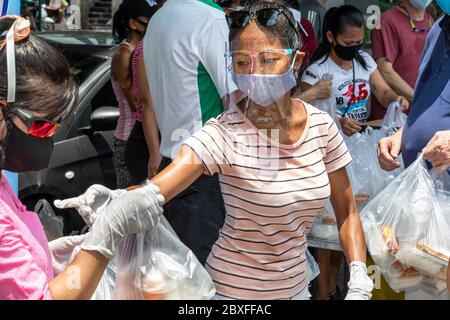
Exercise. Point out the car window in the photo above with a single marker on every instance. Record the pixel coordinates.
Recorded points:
(105, 97)
(82, 64)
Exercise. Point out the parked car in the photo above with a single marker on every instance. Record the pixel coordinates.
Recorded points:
(83, 145)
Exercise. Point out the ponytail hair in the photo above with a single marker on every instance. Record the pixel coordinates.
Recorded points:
(336, 20)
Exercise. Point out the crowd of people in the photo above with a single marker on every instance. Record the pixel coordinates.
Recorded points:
(233, 120)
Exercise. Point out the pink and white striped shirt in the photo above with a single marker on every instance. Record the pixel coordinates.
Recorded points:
(272, 193)
(137, 55)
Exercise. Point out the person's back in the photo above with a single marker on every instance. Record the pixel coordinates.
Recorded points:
(184, 55)
(184, 58)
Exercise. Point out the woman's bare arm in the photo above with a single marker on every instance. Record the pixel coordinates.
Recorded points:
(80, 279)
(180, 174)
(347, 216)
(150, 124)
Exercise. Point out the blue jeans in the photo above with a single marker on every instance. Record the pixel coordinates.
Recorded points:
(197, 214)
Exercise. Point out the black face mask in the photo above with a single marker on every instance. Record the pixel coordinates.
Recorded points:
(347, 53)
(24, 152)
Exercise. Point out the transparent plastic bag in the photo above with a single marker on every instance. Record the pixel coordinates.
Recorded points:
(105, 288)
(394, 118)
(158, 266)
(312, 268)
(365, 174)
(53, 224)
(407, 230)
(324, 226)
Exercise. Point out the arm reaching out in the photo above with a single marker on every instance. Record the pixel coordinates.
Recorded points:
(180, 174)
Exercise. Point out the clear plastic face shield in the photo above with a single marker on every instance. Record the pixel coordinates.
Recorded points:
(18, 31)
(264, 72)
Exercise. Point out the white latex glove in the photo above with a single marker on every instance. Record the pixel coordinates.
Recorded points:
(91, 203)
(64, 250)
(360, 285)
(135, 211)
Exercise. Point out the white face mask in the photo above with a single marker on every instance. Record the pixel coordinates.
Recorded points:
(421, 4)
(264, 90)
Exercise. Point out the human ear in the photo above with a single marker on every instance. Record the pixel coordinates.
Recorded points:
(299, 56)
(330, 38)
(132, 24)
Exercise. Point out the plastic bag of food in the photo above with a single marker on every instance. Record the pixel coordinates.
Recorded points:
(364, 172)
(407, 229)
(105, 288)
(324, 226)
(158, 266)
(53, 224)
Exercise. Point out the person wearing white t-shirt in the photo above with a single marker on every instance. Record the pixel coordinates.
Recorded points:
(355, 77)
(184, 56)
(353, 72)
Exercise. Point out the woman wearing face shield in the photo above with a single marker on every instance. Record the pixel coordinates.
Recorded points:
(354, 73)
(278, 160)
(36, 94)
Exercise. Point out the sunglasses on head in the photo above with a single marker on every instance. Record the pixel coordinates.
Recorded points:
(38, 127)
(266, 17)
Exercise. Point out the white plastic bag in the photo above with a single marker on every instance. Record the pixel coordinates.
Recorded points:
(394, 117)
(105, 288)
(407, 230)
(365, 174)
(327, 105)
(158, 266)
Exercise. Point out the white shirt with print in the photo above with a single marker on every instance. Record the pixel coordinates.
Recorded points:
(342, 84)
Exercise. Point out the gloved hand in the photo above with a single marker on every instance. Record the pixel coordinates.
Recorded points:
(135, 211)
(360, 285)
(92, 203)
(64, 250)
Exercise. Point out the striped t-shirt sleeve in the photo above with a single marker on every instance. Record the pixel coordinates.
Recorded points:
(211, 147)
(337, 155)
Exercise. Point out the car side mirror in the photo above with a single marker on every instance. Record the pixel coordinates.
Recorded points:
(104, 119)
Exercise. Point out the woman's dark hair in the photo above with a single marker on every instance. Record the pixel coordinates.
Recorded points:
(336, 20)
(131, 9)
(43, 80)
(285, 28)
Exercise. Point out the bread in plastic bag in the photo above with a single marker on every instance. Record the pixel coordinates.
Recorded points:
(407, 230)
(158, 266)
